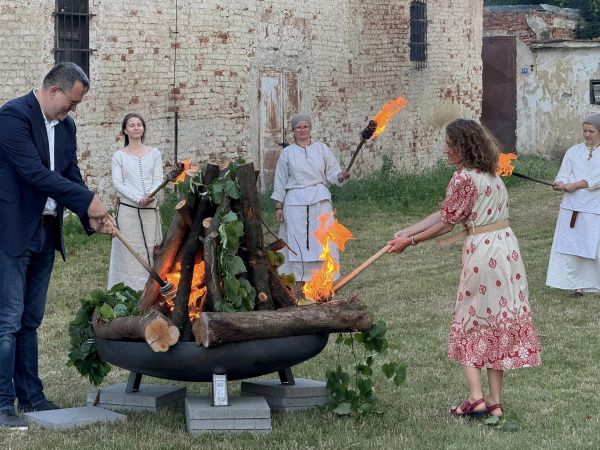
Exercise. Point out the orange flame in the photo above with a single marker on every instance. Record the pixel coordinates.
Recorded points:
(187, 165)
(320, 286)
(390, 108)
(198, 289)
(505, 167)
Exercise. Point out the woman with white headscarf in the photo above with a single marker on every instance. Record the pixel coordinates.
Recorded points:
(575, 255)
(304, 171)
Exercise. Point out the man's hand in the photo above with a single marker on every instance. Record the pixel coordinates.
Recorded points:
(97, 210)
(105, 226)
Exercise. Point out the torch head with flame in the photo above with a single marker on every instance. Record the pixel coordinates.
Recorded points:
(505, 168)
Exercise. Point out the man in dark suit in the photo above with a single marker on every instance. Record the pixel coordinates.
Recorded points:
(39, 177)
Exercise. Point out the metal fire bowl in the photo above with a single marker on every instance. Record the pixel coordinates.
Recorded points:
(187, 361)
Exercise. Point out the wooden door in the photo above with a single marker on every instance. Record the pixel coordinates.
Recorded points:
(499, 101)
(279, 99)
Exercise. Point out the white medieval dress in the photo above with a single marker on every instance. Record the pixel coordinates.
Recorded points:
(301, 179)
(575, 254)
(133, 178)
(492, 325)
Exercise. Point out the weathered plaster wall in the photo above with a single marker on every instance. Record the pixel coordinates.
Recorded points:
(560, 95)
(351, 57)
(553, 96)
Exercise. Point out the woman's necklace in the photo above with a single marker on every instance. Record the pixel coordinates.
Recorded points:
(592, 151)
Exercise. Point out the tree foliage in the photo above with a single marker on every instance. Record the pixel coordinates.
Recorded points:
(588, 28)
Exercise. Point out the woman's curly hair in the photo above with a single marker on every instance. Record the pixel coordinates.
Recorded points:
(479, 148)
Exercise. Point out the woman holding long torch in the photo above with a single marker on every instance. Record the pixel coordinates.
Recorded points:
(575, 255)
(492, 326)
(137, 170)
(304, 171)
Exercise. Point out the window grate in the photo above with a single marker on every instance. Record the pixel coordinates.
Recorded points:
(418, 33)
(73, 33)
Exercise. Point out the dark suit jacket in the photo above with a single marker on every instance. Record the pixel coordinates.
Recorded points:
(26, 180)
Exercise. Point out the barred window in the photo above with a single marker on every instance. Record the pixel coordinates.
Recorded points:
(73, 33)
(418, 33)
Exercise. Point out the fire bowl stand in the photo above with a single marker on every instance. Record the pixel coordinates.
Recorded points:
(188, 362)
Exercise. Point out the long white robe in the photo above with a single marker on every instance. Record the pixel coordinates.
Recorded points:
(575, 254)
(301, 179)
(133, 179)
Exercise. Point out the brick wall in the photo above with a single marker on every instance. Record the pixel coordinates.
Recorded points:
(351, 57)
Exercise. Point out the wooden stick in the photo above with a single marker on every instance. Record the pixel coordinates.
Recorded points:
(171, 176)
(362, 141)
(167, 288)
(363, 266)
(537, 180)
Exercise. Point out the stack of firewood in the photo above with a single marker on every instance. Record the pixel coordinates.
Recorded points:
(192, 238)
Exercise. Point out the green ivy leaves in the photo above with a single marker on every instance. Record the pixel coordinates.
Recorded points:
(120, 301)
(343, 399)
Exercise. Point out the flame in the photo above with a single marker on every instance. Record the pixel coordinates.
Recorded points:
(319, 287)
(390, 108)
(505, 168)
(187, 165)
(198, 289)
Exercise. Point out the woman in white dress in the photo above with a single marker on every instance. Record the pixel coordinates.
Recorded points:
(492, 325)
(136, 172)
(575, 255)
(304, 170)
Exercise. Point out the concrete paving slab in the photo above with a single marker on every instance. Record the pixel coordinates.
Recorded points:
(242, 414)
(288, 397)
(150, 397)
(72, 417)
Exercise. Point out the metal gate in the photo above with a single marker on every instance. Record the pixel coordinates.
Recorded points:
(499, 102)
(279, 101)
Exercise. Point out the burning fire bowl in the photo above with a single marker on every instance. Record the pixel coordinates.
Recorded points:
(187, 361)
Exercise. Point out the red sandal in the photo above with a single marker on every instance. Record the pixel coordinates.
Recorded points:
(467, 409)
(493, 407)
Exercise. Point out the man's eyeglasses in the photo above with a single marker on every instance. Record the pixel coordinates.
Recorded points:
(73, 104)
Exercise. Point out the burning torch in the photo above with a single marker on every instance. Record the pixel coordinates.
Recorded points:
(377, 124)
(505, 168)
(180, 167)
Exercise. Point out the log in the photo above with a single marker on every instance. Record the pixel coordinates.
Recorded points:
(281, 295)
(211, 272)
(168, 250)
(157, 330)
(214, 328)
(254, 240)
(181, 316)
(184, 210)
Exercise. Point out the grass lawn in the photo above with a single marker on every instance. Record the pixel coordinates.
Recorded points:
(556, 403)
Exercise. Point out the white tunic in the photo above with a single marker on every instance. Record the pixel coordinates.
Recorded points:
(134, 178)
(574, 257)
(301, 179)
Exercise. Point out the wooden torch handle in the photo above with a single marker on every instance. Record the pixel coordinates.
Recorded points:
(358, 147)
(363, 266)
(139, 257)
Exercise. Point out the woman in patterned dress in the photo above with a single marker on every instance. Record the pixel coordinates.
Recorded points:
(492, 325)
(137, 170)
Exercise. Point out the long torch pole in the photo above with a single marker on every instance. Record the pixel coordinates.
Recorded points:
(537, 180)
(362, 267)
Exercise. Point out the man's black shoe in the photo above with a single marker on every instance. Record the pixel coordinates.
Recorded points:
(46, 405)
(8, 418)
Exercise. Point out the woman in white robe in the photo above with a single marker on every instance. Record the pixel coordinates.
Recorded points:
(137, 170)
(304, 170)
(575, 254)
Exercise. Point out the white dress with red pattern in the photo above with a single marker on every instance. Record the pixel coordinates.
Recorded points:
(492, 325)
